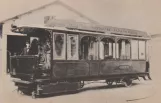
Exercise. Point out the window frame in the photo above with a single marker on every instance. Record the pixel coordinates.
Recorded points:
(112, 47)
(144, 50)
(81, 36)
(65, 48)
(117, 49)
(77, 46)
(138, 58)
(137, 40)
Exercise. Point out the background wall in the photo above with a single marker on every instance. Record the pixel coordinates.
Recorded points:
(135, 14)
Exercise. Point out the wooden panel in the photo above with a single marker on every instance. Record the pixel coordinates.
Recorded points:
(24, 64)
(108, 67)
(70, 69)
(94, 68)
(59, 87)
(78, 69)
(66, 69)
(139, 66)
(59, 70)
(121, 67)
(125, 67)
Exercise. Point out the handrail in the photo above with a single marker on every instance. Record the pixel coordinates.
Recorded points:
(8, 69)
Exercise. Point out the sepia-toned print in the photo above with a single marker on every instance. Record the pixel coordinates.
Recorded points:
(58, 53)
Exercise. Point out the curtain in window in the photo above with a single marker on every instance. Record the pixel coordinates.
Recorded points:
(122, 54)
(107, 49)
(110, 49)
(93, 51)
(114, 50)
(124, 49)
(101, 50)
(117, 50)
(72, 47)
(127, 50)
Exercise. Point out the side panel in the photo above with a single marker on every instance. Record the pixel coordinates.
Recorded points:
(68, 69)
(139, 66)
(122, 67)
(94, 68)
(109, 67)
(23, 67)
(63, 69)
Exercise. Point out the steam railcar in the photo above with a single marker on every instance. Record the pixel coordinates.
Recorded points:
(61, 58)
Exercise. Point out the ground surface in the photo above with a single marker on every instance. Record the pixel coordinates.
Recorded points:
(140, 92)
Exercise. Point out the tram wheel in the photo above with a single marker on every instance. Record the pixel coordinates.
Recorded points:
(109, 82)
(149, 77)
(19, 91)
(82, 84)
(26, 92)
(127, 82)
(33, 94)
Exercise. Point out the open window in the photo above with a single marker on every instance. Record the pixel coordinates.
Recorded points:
(89, 48)
(107, 48)
(59, 46)
(123, 49)
(72, 47)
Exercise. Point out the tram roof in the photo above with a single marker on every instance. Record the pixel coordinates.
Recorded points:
(83, 28)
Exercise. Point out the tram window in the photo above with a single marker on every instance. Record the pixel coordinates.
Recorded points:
(72, 47)
(107, 48)
(141, 49)
(124, 49)
(134, 49)
(89, 48)
(59, 46)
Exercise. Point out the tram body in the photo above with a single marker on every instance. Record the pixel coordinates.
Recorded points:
(78, 55)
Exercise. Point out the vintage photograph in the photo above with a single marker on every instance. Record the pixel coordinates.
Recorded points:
(80, 51)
